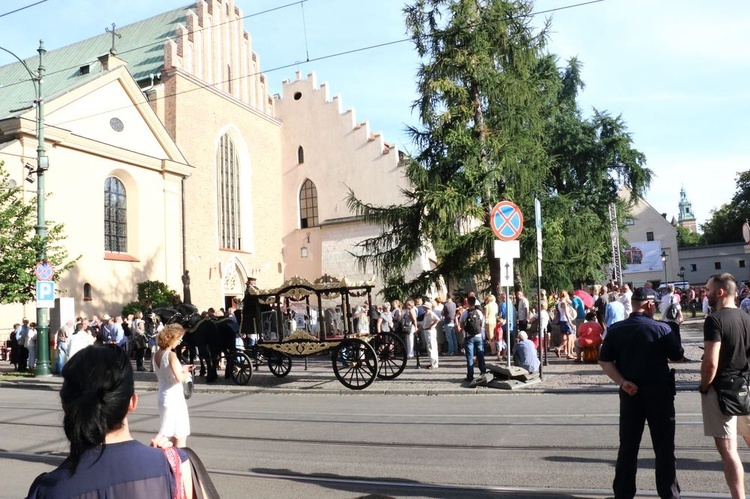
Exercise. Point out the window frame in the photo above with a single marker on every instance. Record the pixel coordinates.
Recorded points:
(228, 194)
(308, 205)
(115, 216)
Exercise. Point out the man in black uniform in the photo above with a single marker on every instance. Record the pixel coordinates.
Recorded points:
(634, 355)
(726, 334)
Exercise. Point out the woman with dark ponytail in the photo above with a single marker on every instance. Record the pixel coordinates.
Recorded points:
(97, 395)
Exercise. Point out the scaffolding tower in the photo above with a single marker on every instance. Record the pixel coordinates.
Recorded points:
(615, 237)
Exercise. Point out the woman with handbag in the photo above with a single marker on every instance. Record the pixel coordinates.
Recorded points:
(565, 317)
(174, 422)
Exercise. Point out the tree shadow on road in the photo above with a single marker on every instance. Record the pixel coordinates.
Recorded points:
(387, 488)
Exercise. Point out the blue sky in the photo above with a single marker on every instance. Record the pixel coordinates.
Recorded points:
(676, 70)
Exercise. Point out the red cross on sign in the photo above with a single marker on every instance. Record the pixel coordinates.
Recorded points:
(506, 220)
(44, 271)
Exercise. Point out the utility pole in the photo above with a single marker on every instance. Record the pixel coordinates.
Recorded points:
(42, 163)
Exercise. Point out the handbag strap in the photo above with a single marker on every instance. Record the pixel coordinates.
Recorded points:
(173, 458)
(203, 487)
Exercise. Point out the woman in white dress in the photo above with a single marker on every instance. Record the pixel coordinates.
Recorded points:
(173, 413)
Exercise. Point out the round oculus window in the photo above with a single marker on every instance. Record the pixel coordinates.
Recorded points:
(117, 124)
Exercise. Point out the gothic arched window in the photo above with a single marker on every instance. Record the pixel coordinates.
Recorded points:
(115, 216)
(308, 205)
(228, 193)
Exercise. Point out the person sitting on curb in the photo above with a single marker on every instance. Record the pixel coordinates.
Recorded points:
(524, 355)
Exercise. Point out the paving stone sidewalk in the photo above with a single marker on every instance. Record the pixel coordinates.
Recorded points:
(559, 376)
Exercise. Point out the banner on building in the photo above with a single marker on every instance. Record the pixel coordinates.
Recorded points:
(644, 256)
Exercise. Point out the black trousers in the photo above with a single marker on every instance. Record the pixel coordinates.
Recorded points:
(23, 358)
(654, 404)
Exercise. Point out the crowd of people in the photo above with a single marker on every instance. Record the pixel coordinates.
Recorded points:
(129, 334)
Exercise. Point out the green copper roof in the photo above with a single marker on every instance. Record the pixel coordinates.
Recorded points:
(141, 46)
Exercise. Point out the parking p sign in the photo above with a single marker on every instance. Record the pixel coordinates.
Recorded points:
(45, 294)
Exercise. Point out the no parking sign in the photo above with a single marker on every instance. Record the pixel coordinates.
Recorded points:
(506, 220)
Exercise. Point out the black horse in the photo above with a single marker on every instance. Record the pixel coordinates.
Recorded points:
(208, 336)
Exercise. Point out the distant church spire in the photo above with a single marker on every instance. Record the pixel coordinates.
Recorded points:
(686, 217)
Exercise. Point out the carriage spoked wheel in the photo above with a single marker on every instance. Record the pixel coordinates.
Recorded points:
(279, 363)
(391, 353)
(242, 368)
(355, 364)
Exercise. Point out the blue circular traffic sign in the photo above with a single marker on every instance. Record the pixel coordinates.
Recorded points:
(506, 220)
(44, 271)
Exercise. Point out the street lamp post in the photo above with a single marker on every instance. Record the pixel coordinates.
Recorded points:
(42, 163)
(664, 264)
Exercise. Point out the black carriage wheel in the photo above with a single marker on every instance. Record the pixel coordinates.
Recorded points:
(279, 363)
(391, 354)
(355, 364)
(242, 368)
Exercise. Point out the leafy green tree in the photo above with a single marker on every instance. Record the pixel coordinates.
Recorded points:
(725, 224)
(686, 237)
(20, 246)
(155, 293)
(590, 159)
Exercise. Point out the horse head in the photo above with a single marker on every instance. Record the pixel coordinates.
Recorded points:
(165, 314)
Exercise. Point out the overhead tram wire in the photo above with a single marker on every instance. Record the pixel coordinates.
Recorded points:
(296, 63)
(161, 41)
(22, 8)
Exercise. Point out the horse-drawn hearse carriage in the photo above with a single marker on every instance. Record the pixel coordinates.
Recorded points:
(301, 319)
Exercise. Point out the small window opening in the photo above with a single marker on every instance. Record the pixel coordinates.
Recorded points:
(300, 155)
(649, 236)
(84, 70)
(297, 95)
(87, 292)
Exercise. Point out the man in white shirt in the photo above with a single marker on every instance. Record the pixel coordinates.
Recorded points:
(522, 305)
(625, 298)
(79, 340)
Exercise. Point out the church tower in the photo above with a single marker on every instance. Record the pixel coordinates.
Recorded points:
(686, 217)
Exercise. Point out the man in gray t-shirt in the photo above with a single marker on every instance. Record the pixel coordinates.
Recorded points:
(449, 325)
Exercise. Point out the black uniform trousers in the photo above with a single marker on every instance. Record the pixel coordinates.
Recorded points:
(654, 404)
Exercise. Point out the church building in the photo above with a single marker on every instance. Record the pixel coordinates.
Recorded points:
(169, 158)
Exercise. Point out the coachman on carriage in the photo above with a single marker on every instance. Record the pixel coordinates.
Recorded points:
(301, 319)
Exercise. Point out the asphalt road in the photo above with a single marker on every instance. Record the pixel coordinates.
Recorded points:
(332, 446)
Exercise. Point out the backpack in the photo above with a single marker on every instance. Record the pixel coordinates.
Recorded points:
(672, 312)
(473, 324)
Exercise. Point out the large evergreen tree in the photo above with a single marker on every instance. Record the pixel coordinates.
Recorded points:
(482, 104)
(499, 121)
(20, 247)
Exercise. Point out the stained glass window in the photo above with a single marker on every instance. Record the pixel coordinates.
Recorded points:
(229, 194)
(115, 216)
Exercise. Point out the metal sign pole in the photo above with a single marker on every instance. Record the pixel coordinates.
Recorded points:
(508, 304)
(543, 356)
